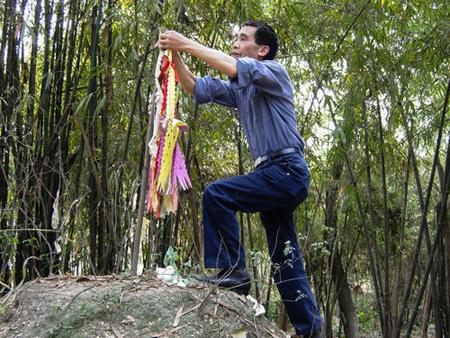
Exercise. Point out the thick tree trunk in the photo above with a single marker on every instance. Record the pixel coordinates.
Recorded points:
(346, 304)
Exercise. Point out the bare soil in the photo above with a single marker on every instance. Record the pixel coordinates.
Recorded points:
(111, 306)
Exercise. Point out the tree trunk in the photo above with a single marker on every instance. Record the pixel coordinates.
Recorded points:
(400, 280)
(21, 165)
(91, 138)
(387, 320)
(9, 90)
(338, 274)
(78, 158)
(424, 225)
(377, 281)
(26, 210)
(193, 201)
(346, 304)
(110, 249)
(40, 163)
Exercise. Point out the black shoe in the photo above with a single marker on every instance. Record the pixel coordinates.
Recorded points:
(237, 280)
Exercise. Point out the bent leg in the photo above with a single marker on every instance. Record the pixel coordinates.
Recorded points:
(269, 188)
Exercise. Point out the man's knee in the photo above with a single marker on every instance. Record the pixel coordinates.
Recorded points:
(217, 196)
(211, 193)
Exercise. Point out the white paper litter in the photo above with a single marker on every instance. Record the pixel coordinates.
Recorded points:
(258, 308)
(170, 276)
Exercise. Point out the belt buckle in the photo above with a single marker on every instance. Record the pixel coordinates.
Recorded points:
(259, 160)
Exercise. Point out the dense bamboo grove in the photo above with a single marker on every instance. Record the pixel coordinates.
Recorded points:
(372, 87)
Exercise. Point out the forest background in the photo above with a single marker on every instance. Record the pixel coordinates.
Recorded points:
(371, 89)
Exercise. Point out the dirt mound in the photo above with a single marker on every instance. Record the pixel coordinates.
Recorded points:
(127, 307)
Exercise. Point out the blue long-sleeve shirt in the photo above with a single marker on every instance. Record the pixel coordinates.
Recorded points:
(262, 93)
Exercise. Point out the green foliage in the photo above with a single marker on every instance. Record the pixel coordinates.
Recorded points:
(367, 315)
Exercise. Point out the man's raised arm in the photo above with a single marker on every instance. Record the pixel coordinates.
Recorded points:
(175, 41)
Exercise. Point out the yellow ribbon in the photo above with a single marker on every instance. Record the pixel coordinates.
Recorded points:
(164, 183)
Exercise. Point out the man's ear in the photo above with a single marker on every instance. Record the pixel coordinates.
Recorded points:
(263, 50)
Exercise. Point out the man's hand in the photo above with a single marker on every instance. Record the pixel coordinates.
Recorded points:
(179, 43)
(174, 41)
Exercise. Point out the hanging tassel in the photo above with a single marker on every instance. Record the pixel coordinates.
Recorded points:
(167, 173)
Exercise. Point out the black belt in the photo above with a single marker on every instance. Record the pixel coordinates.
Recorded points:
(281, 152)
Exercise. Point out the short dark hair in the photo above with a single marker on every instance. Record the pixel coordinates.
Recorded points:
(264, 35)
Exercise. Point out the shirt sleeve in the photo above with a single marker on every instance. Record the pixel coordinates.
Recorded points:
(269, 76)
(208, 89)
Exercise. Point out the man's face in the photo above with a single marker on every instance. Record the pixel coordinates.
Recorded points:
(245, 45)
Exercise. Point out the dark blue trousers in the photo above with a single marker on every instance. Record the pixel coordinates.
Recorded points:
(274, 189)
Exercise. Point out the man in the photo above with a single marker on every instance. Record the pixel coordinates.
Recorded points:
(262, 92)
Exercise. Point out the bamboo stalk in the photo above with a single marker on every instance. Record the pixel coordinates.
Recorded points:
(423, 225)
(143, 193)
